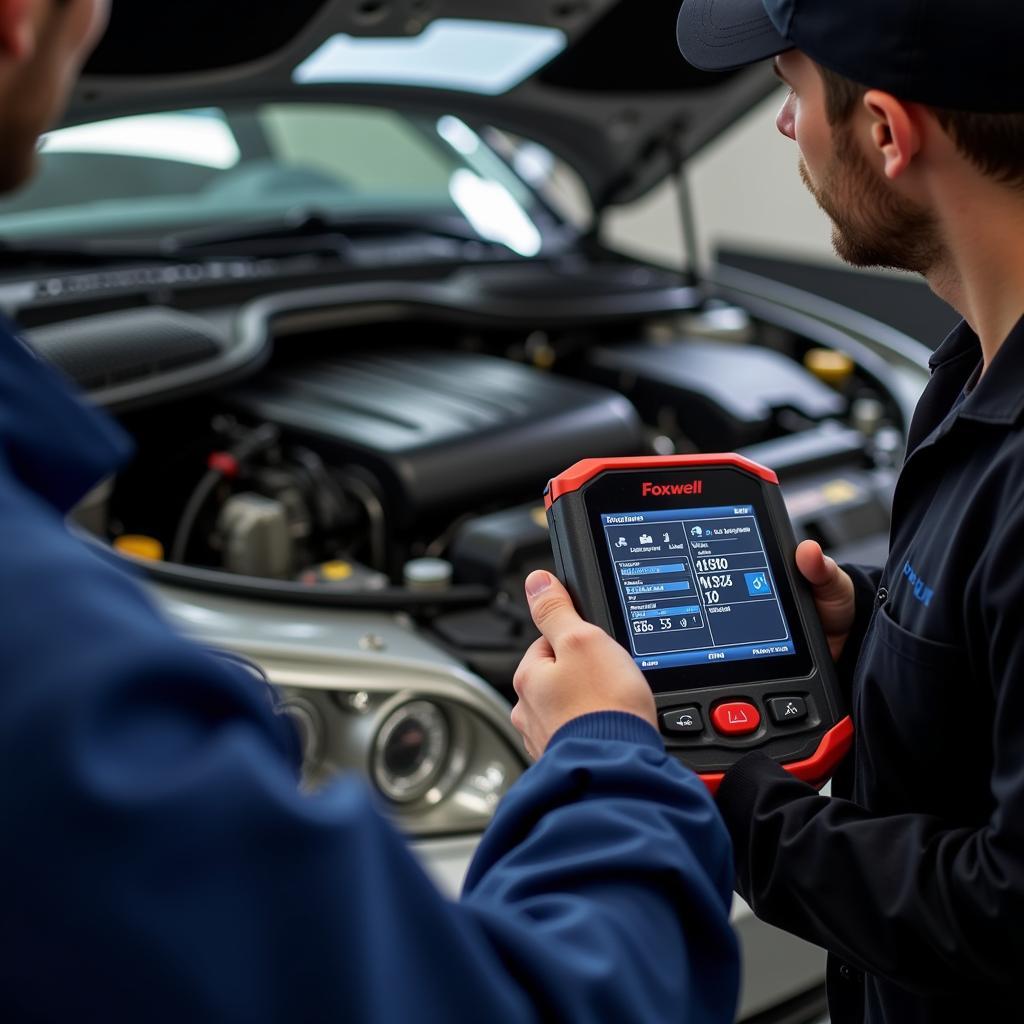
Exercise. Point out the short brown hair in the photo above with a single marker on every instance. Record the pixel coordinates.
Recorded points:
(992, 142)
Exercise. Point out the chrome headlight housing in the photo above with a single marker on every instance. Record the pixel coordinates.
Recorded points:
(411, 751)
(368, 694)
(440, 764)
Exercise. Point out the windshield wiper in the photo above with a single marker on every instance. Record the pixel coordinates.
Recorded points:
(309, 233)
(339, 233)
(15, 255)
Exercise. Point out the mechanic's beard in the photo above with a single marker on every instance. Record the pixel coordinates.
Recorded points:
(872, 226)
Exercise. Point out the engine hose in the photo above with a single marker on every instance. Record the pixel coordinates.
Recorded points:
(391, 599)
(375, 516)
(259, 440)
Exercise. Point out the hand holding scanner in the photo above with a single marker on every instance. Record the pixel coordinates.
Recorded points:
(688, 561)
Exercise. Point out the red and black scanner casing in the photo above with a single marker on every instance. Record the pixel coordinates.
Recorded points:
(809, 748)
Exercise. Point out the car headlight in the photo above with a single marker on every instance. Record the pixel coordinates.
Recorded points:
(368, 695)
(439, 750)
(411, 751)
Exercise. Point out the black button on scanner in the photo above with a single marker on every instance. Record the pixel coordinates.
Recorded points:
(684, 720)
(787, 709)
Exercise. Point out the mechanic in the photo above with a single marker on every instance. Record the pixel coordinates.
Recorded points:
(907, 115)
(161, 863)
(909, 118)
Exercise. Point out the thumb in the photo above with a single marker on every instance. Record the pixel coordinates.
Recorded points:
(819, 570)
(550, 606)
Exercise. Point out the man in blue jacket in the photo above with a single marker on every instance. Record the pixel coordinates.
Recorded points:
(159, 861)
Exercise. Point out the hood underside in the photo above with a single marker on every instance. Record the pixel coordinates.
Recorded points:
(612, 96)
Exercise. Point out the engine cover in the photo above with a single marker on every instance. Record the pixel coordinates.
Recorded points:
(443, 430)
(724, 396)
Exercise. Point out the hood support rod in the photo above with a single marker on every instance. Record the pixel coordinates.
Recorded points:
(692, 271)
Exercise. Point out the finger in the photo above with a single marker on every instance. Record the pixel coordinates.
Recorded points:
(817, 568)
(832, 587)
(518, 718)
(521, 723)
(538, 652)
(551, 607)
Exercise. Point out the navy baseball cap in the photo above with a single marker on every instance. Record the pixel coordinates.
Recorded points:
(956, 54)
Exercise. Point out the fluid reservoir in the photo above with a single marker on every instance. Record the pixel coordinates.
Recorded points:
(427, 574)
(257, 536)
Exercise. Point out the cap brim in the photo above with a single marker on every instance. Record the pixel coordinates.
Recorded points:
(720, 35)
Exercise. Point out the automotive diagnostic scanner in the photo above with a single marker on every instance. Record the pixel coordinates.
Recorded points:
(688, 562)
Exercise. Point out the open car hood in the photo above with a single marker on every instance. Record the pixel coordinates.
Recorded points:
(600, 82)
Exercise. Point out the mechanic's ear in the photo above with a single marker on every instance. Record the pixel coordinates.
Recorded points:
(19, 24)
(895, 134)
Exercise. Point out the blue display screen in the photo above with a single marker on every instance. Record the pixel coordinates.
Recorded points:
(696, 587)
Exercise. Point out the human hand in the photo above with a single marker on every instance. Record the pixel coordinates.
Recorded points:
(574, 669)
(833, 593)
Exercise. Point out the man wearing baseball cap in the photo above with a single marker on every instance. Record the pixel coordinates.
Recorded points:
(909, 118)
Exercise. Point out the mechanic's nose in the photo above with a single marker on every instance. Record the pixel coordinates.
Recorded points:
(786, 121)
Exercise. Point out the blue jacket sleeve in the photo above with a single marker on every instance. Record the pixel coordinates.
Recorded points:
(605, 882)
(162, 865)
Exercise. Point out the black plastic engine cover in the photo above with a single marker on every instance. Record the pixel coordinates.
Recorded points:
(724, 396)
(443, 430)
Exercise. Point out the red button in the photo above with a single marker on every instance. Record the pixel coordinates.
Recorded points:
(736, 718)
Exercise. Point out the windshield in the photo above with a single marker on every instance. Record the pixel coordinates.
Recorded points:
(150, 174)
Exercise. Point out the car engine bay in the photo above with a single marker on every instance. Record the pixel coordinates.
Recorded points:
(340, 469)
(394, 460)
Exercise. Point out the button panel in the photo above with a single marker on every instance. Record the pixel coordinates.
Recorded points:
(687, 721)
(704, 722)
(736, 718)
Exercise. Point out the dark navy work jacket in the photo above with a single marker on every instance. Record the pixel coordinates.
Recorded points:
(159, 863)
(915, 881)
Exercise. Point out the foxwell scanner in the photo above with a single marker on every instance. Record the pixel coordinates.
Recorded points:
(688, 561)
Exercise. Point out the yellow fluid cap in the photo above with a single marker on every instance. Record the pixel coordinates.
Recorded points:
(138, 546)
(335, 571)
(544, 358)
(839, 492)
(830, 366)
